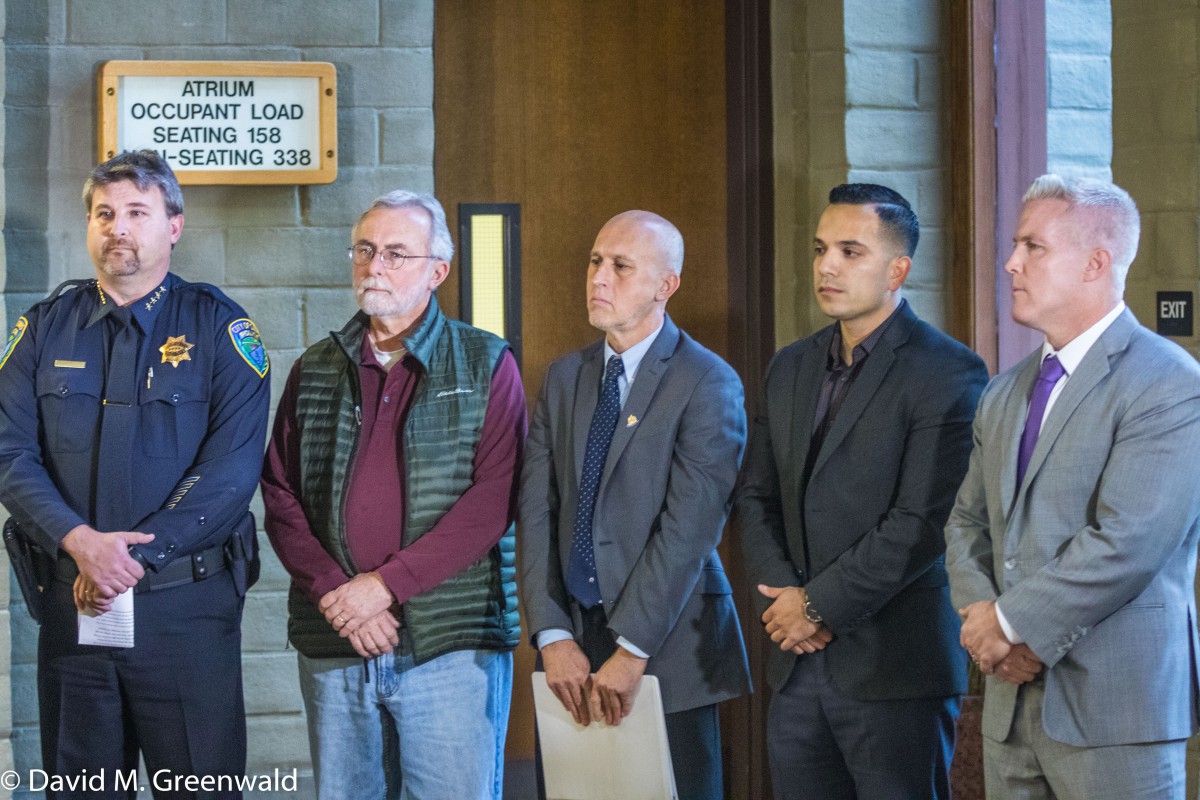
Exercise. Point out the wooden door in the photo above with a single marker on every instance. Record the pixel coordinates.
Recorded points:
(580, 110)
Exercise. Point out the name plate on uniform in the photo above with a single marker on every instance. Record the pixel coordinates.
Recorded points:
(224, 122)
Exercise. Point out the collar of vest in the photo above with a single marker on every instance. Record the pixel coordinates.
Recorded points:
(420, 343)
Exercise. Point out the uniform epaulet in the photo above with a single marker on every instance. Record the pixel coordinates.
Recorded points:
(63, 287)
(243, 333)
(205, 288)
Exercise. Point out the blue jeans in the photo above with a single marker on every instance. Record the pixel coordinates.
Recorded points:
(386, 728)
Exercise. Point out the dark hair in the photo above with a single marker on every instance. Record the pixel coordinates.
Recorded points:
(145, 168)
(896, 216)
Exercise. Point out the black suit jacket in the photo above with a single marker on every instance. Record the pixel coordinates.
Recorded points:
(864, 532)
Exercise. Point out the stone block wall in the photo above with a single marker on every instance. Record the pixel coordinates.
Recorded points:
(809, 96)
(1079, 117)
(277, 250)
(895, 127)
(858, 97)
(1156, 158)
(6, 716)
(1156, 145)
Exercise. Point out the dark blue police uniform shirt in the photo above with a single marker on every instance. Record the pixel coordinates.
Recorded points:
(198, 430)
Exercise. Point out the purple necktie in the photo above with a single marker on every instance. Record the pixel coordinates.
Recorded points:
(1047, 378)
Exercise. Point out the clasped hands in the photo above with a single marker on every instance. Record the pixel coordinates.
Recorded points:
(989, 648)
(788, 625)
(360, 611)
(606, 696)
(106, 569)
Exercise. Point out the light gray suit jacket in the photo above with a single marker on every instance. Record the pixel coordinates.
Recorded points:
(663, 498)
(1093, 556)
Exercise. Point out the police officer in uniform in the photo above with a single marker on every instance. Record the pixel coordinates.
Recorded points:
(133, 411)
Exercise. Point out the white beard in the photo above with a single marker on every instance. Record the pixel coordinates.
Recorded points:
(376, 304)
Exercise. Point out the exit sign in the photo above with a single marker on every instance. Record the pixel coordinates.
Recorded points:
(1174, 313)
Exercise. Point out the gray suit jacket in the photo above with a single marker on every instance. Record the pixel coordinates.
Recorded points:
(661, 507)
(1093, 556)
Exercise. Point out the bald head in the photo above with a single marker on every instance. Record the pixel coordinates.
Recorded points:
(632, 272)
(663, 237)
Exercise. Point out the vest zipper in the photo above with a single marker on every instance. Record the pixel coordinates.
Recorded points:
(346, 483)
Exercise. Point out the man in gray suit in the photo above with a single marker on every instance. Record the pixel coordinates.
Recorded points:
(630, 465)
(1072, 544)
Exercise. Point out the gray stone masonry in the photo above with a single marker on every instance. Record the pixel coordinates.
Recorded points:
(809, 95)
(1156, 158)
(1079, 119)
(895, 127)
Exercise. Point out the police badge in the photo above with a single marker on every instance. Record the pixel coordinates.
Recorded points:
(176, 350)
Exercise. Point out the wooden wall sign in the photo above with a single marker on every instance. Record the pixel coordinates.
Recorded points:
(224, 122)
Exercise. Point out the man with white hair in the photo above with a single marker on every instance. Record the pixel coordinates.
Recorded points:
(390, 490)
(1072, 545)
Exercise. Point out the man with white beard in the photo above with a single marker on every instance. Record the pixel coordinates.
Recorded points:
(390, 488)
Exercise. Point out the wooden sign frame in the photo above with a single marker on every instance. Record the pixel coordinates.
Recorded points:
(109, 82)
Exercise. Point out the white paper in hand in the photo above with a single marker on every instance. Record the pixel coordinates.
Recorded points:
(630, 761)
(113, 628)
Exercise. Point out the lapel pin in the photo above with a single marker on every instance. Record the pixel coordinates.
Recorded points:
(629, 423)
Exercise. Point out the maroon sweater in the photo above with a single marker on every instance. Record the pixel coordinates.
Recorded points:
(375, 507)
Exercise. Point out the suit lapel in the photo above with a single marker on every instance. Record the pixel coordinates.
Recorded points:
(806, 389)
(860, 393)
(645, 384)
(587, 394)
(1091, 370)
(874, 370)
(1016, 408)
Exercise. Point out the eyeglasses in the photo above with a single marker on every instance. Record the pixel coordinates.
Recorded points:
(364, 254)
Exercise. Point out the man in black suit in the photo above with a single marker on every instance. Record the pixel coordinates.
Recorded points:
(861, 440)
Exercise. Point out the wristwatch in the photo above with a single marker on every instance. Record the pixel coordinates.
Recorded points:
(810, 613)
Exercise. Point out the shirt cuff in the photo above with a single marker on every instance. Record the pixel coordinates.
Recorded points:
(631, 647)
(552, 635)
(1009, 631)
(326, 583)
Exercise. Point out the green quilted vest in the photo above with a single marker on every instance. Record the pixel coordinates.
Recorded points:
(475, 609)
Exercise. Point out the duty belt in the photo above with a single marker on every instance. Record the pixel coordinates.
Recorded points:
(181, 571)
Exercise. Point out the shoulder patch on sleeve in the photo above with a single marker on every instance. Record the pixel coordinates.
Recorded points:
(14, 336)
(248, 343)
